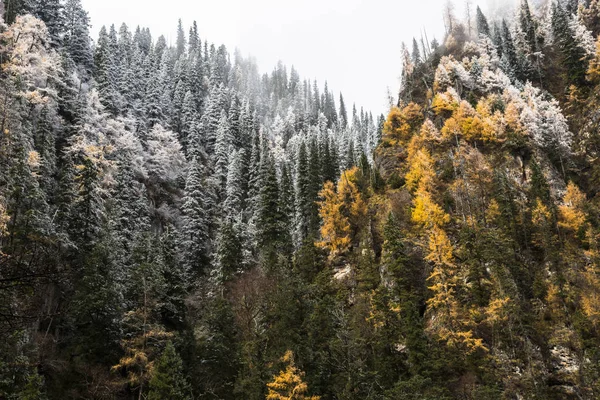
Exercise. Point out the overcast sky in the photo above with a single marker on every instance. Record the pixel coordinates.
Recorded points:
(353, 44)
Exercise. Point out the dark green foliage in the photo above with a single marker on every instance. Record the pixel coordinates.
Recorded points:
(574, 57)
(97, 306)
(161, 237)
(168, 378)
(76, 39)
(483, 28)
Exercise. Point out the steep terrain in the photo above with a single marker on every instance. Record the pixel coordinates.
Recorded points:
(174, 225)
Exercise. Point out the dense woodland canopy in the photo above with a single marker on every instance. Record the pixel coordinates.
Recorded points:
(174, 225)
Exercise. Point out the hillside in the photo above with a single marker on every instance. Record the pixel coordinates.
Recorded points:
(175, 225)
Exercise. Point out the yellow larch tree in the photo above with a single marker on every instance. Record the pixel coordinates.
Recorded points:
(342, 210)
(289, 383)
(401, 123)
(572, 216)
(449, 322)
(335, 231)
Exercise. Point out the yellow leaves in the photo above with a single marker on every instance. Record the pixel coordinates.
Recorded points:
(512, 117)
(421, 171)
(540, 214)
(33, 159)
(335, 231)
(572, 216)
(29, 61)
(348, 191)
(541, 217)
(340, 210)
(466, 339)
(440, 248)
(492, 123)
(474, 124)
(493, 211)
(289, 384)
(401, 123)
(426, 212)
(141, 348)
(445, 103)
(449, 322)
(497, 311)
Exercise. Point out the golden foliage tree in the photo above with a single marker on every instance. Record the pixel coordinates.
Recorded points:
(449, 321)
(141, 350)
(342, 210)
(572, 216)
(335, 231)
(401, 123)
(289, 384)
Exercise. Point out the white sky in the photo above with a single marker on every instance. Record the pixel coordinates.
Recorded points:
(353, 44)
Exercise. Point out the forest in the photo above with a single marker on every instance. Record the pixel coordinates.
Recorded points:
(175, 224)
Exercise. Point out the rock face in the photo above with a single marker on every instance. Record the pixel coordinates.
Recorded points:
(389, 160)
(344, 273)
(564, 370)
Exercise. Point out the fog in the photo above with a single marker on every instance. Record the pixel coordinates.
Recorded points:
(353, 44)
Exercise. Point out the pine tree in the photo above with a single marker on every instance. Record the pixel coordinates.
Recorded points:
(98, 301)
(168, 380)
(302, 193)
(573, 56)
(234, 190)
(189, 132)
(483, 27)
(269, 216)
(229, 250)
(180, 40)
(51, 12)
(509, 51)
(153, 109)
(528, 25)
(416, 54)
(76, 38)
(194, 39)
(14, 8)
(210, 120)
(195, 227)
(107, 71)
(223, 147)
(313, 187)
(286, 207)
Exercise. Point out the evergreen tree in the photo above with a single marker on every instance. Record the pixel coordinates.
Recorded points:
(168, 380)
(223, 147)
(528, 25)
(269, 216)
(51, 12)
(483, 27)
(195, 227)
(508, 50)
(194, 39)
(76, 38)
(14, 8)
(302, 193)
(180, 40)
(416, 54)
(574, 56)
